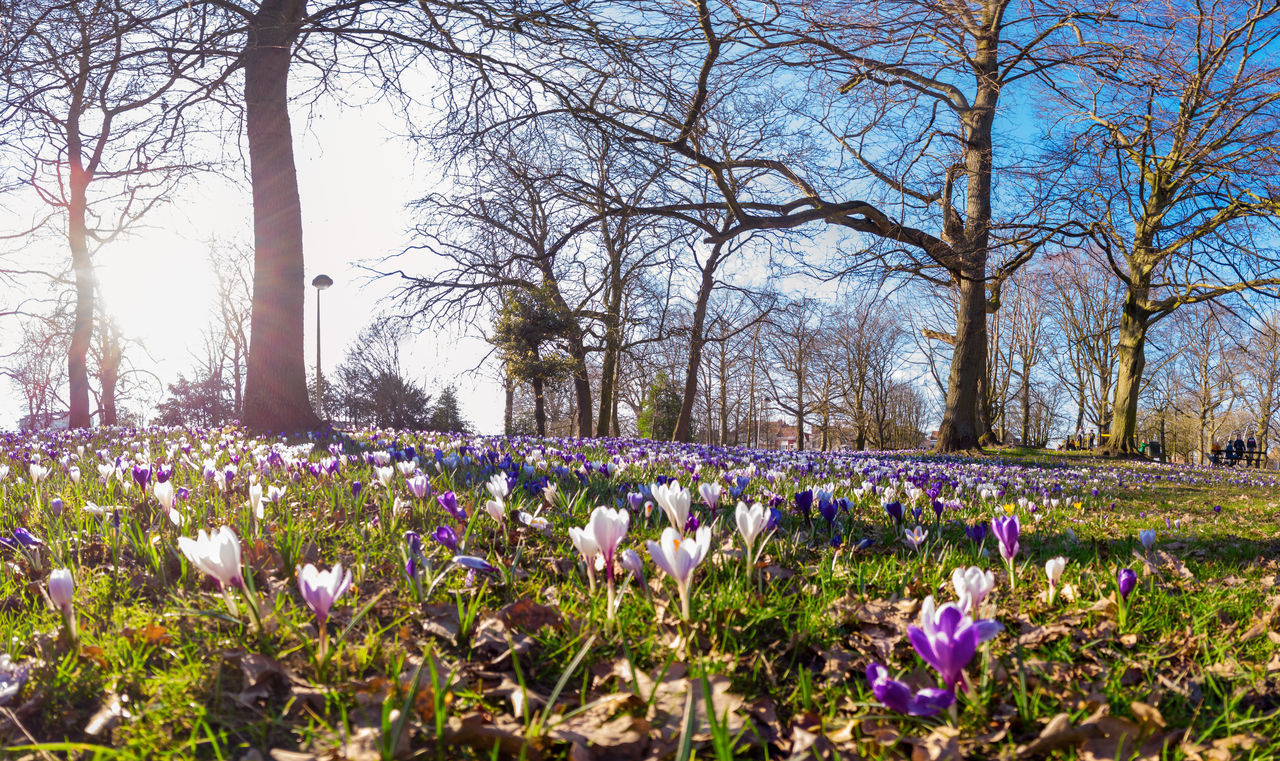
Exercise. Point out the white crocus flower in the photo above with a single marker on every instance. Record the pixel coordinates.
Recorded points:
(497, 486)
(218, 555)
(972, 586)
(679, 557)
(587, 547)
(751, 522)
(606, 528)
(710, 493)
(674, 501)
(255, 498)
(1053, 569)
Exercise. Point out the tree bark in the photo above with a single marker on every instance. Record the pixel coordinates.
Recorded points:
(539, 408)
(108, 379)
(1026, 405)
(961, 428)
(1131, 361)
(612, 343)
(82, 268)
(509, 394)
(275, 393)
(685, 420)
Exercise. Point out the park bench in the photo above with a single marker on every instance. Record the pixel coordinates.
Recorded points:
(1249, 458)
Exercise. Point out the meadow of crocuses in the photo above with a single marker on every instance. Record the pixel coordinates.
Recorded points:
(375, 595)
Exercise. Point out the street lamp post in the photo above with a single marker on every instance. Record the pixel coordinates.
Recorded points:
(321, 282)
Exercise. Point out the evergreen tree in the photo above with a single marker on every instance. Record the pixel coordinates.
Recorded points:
(525, 333)
(446, 415)
(661, 409)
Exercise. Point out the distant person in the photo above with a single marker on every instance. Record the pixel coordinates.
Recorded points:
(1091, 435)
(1251, 444)
(1215, 453)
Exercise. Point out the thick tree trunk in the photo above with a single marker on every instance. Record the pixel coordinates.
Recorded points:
(800, 411)
(275, 394)
(607, 370)
(612, 345)
(1026, 406)
(1131, 361)
(539, 408)
(509, 398)
(581, 386)
(108, 379)
(82, 269)
(685, 420)
(961, 428)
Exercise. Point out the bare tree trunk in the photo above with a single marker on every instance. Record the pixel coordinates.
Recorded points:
(1026, 405)
(684, 422)
(108, 378)
(509, 394)
(1132, 360)
(82, 267)
(961, 428)
(539, 408)
(581, 386)
(612, 344)
(275, 394)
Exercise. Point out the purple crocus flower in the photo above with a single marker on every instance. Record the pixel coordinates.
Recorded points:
(947, 639)
(142, 475)
(182, 492)
(775, 518)
(897, 696)
(1006, 529)
(804, 503)
(894, 509)
(938, 507)
(472, 563)
(636, 500)
(356, 488)
(164, 473)
(827, 509)
(26, 538)
(414, 546)
(977, 532)
(449, 501)
(1126, 580)
(691, 524)
(1217, 508)
(447, 537)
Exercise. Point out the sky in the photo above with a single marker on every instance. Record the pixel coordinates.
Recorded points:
(355, 177)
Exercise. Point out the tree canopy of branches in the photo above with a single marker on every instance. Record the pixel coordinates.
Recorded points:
(95, 96)
(718, 89)
(1177, 165)
(371, 387)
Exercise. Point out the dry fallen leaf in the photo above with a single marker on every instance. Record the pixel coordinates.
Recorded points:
(942, 744)
(528, 616)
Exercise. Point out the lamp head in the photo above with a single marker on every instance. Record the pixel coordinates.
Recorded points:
(322, 282)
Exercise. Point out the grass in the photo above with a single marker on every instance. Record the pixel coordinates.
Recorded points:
(521, 663)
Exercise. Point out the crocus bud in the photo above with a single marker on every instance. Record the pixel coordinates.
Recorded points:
(62, 587)
(1126, 580)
